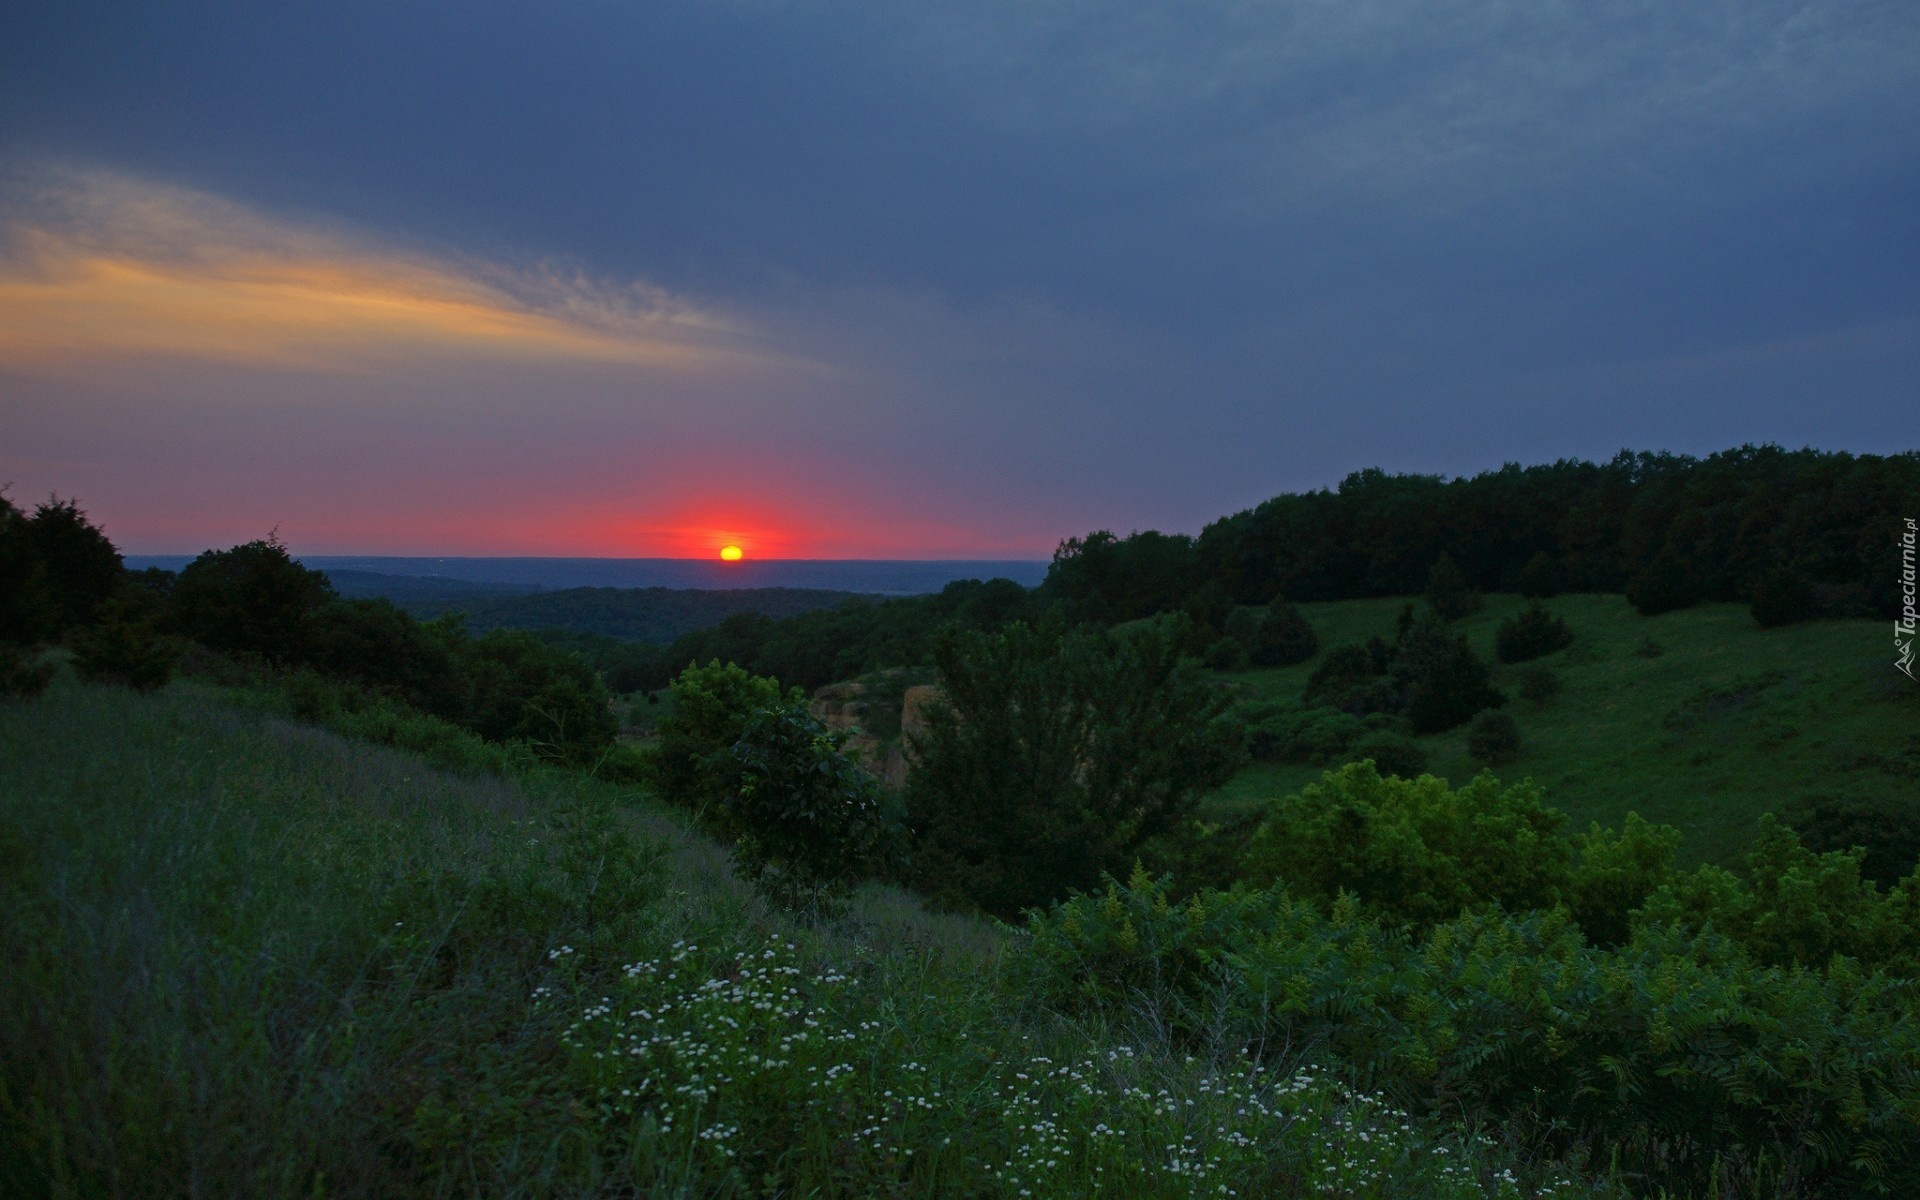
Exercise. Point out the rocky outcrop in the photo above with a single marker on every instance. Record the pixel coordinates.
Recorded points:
(849, 706)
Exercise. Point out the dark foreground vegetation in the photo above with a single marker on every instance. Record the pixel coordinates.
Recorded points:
(512, 950)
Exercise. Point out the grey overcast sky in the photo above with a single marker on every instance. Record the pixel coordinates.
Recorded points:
(845, 278)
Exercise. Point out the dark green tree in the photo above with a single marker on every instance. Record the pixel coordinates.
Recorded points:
(1448, 592)
(1283, 637)
(1494, 738)
(27, 610)
(805, 818)
(1442, 682)
(252, 599)
(82, 569)
(693, 764)
(1535, 632)
(1053, 757)
(1782, 596)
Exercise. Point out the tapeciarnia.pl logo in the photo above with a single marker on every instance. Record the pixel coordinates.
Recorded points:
(1903, 625)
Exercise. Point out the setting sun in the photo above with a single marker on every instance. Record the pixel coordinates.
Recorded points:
(730, 554)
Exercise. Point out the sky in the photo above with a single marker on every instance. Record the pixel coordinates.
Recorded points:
(855, 278)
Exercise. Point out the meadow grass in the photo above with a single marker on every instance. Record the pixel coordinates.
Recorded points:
(1715, 723)
(245, 956)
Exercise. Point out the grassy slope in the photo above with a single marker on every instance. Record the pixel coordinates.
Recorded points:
(1838, 720)
(243, 956)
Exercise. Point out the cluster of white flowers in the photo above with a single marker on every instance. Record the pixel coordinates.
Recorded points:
(704, 1048)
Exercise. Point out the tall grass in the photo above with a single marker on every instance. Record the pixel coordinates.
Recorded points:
(247, 957)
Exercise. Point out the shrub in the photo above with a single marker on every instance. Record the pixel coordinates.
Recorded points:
(1448, 592)
(1391, 754)
(1783, 596)
(1672, 1053)
(1664, 585)
(124, 650)
(694, 764)
(1615, 873)
(1345, 670)
(1444, 683)
(1887, 829)
(23, 675)
(1542, 577)
(1494, 738)
(1533, 633)
(1796, 907)
(1283, 637)
(1225, 654)
(1053, 757)
(1538, 685)
(805, 818)
(1413, 850)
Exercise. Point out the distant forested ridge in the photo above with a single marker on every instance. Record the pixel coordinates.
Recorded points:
(1666, 529)
(654, 614)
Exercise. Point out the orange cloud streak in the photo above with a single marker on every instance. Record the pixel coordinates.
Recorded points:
(107, 267)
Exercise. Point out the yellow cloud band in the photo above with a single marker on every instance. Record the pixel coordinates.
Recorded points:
(103, 266)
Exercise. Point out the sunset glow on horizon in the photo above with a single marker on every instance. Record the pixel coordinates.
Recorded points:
(654, 280)
(730, 554)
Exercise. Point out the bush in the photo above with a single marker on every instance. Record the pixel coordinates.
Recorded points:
(1391, 754)
(693, 764)
(1888, 830)
(27, 609)
(1783, 597)
(1798, 908)
(1444, 683)
(1346, 670)
(1665, 585)
(1225, 654)
(1448, 592)
(1494, 738)
(1671, 1053)
(1615, 873)
(1053, 757)
(1538, 685)
(1533, 633)
(23, 675)
(124, 650)
(1283, 637)
(805, 818)
(1413, 850)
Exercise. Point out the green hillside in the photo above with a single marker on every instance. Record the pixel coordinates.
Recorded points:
(1696, 718)
(245, 956)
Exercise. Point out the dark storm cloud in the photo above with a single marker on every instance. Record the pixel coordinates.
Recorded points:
(1127, 263)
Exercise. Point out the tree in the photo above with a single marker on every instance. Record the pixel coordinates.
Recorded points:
(27, 610)
(805, 818)
(1783, 596)
(1441, 679)
(83, 570)
(1053, 757)
(1530, 635)
(1494, 738)
(1283, 637)
(694, 764)
(1415, 850)
(1448, 591)
(252, 599)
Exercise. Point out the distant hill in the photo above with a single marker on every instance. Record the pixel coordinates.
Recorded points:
(405, 589)
(629, 614)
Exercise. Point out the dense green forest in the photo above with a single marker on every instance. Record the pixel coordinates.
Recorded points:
(1364, 868)
(654, 614)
